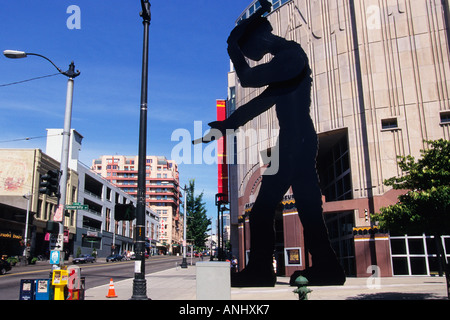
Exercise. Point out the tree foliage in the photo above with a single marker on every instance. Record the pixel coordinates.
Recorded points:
(418, 211)
(432, 170)
(425, 207)
(197, 222)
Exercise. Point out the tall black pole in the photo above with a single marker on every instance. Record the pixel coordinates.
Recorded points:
(218, 246)
(139, 282)
(184, 262)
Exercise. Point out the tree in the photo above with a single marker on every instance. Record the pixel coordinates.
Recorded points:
(197, 222)
(425, 208)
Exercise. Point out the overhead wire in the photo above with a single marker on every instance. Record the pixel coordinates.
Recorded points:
(29, 138)
(23, 81)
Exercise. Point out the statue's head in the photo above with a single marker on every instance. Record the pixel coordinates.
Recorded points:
(256, 40)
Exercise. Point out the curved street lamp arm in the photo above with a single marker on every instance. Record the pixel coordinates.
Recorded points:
(40, 55)
(69, 73)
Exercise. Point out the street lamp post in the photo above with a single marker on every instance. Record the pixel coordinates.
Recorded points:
(184, 262)
(218, 204)
(221, 199)
(139, 281)
(71, 74)
(222, 209)
(211, 246)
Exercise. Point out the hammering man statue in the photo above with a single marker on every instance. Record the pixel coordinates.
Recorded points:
(288, 77)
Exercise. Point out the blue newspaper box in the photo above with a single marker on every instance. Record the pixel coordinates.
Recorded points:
(43, 289)
(26, 289)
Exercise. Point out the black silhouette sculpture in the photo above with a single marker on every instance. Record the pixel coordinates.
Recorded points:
(288, 77)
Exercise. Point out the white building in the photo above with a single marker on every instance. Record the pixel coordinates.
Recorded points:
(96, 227)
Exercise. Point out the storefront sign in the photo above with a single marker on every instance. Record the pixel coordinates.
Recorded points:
(10, 235)
(58, 216)
(293, 256)
(248, 207)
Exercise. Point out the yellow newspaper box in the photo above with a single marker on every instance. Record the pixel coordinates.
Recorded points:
(60, 280)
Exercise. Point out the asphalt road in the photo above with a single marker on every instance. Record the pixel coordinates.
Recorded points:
(96, 274)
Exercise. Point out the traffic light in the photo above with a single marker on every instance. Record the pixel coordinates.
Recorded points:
(124, 212)
(52, 227)
(49, 184)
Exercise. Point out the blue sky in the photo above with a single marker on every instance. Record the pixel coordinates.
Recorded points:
(188, 67)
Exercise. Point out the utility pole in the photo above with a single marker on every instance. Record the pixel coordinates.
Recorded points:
(58, 217)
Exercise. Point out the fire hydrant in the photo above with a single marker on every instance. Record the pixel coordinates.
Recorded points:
(302, 291)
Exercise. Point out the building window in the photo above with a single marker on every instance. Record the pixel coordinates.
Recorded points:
(335, 173)
(389, 124)
(39, 209)
(231, 105)
(445, 117)
(340, 229)
(416, 255)
(108, 219)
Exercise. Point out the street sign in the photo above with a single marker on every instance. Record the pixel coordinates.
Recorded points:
(58, 216)
(76, 206)
(55, 257)
(56, 241)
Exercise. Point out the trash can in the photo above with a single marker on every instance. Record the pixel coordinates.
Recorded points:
(26, 289)
(43, 289)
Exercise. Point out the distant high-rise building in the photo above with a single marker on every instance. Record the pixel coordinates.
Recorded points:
(162, 190)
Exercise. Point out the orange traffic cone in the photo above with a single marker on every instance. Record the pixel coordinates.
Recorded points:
(111, 292)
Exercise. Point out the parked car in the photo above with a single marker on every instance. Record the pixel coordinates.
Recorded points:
(4, 266)
(114, 257)
(84, 258)
(133, 256)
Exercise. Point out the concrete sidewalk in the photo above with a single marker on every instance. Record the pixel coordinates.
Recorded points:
(180, 284)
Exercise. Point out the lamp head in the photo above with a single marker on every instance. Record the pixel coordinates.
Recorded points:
(14, 54)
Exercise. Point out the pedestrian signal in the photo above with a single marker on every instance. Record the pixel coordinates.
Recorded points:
(125, 212)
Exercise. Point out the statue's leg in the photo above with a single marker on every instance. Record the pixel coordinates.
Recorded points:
(325, 269)
(259, 270)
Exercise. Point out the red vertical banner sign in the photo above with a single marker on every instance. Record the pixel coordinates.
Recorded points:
(222, 152)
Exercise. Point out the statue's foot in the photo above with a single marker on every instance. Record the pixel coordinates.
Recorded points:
(254, 277)
(316, 276)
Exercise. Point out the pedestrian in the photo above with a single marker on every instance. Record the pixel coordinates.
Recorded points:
(234, 264)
